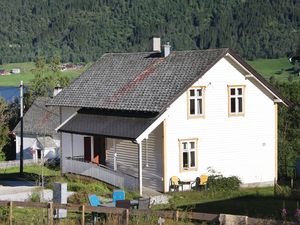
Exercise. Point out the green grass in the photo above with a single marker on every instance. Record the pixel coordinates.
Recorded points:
(254, 202)
(26, 73)
(31, 173)
(279, 68)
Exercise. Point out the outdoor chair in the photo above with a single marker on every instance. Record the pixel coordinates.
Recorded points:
(118, 195)
(200, 182)
(94, 201)
(175, 184)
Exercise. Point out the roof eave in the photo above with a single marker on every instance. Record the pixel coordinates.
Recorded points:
(279, 98)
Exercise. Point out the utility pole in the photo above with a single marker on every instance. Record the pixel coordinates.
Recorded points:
(21, 122)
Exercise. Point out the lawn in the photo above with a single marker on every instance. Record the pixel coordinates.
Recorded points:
(26, 73)
(279, 68)
(254, 202)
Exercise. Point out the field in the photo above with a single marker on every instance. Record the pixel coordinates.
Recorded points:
(26, 73)
(279, 68)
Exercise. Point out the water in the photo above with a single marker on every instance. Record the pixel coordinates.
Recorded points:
(10, 93)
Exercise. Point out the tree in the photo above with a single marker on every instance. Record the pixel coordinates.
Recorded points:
(4, 130)
(45, 80)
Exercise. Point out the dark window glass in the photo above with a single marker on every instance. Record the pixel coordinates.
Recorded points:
(185, 160)
(232, 105)
(232, 91)
(240, 91)
(192, 106)
(192, 92)
(192, 145)
(199, 92)
(192, 159)
(240, 104)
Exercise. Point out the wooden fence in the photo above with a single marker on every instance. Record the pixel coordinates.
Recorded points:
(124, 214)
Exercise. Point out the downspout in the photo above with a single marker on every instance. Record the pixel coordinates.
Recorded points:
(140, 169)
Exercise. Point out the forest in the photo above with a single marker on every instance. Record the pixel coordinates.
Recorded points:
(82, 30)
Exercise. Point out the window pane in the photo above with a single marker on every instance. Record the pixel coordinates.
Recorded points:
(184, 145)
(232, 105)
(192, 92)
(193, 159)
(240, 91)
(232, 91)
(192, 107)
(199, 92)
(240, 104)
(199, 106)
(185, 160)
(192, 145)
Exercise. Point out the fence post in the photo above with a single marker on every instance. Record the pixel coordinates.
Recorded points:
(50, 213)
(83, 215)
(10, 212)
(176, 215)
(126, 217)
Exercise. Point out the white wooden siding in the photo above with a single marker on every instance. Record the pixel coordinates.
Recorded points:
(127, 158)
(243, 146)
(28, 142)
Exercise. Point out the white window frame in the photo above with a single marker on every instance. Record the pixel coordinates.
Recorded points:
(195, 98)
(236, 97)
(188, 150)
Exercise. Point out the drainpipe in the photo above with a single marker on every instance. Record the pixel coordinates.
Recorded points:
(140, 170)
(115, 154)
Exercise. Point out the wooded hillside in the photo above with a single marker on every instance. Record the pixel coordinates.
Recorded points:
(82, 30)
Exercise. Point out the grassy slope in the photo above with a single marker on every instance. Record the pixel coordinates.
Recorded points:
(278, 68)
(26, 75)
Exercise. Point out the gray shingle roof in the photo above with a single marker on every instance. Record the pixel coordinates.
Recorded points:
(137, 81)
(39, 119)
(109, 126)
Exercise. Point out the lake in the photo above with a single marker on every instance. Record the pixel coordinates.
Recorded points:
(9, 93)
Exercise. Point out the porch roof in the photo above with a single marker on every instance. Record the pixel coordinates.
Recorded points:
(123, 127)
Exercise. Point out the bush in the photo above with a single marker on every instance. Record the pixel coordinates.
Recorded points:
(220, 183)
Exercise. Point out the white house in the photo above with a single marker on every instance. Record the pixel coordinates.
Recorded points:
(136, 119)
(39, 135)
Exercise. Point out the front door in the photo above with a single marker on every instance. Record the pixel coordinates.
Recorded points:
(87, 149)
(99, 150)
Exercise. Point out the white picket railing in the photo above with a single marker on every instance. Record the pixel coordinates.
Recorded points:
(105, 174)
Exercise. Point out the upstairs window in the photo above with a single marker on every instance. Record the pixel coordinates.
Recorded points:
(188, 154)
(236, 100)
(196, 102)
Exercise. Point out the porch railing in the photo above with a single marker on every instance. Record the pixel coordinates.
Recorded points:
(79, 166)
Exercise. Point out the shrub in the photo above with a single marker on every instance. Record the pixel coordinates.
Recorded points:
(35, 195)
(220, 183)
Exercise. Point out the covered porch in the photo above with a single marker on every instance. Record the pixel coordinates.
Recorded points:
(123, 151)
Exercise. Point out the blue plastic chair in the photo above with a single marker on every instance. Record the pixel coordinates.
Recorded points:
(118, 195)
(94, 200)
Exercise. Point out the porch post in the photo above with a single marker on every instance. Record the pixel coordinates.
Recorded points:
(115, 154)
(140, 170)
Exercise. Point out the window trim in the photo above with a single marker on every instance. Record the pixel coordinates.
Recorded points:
(180, 141)
(191, 116)
(232, 114)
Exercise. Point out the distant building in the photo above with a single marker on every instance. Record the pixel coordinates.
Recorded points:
(15, 71)
(3, 72)
(40, 137)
